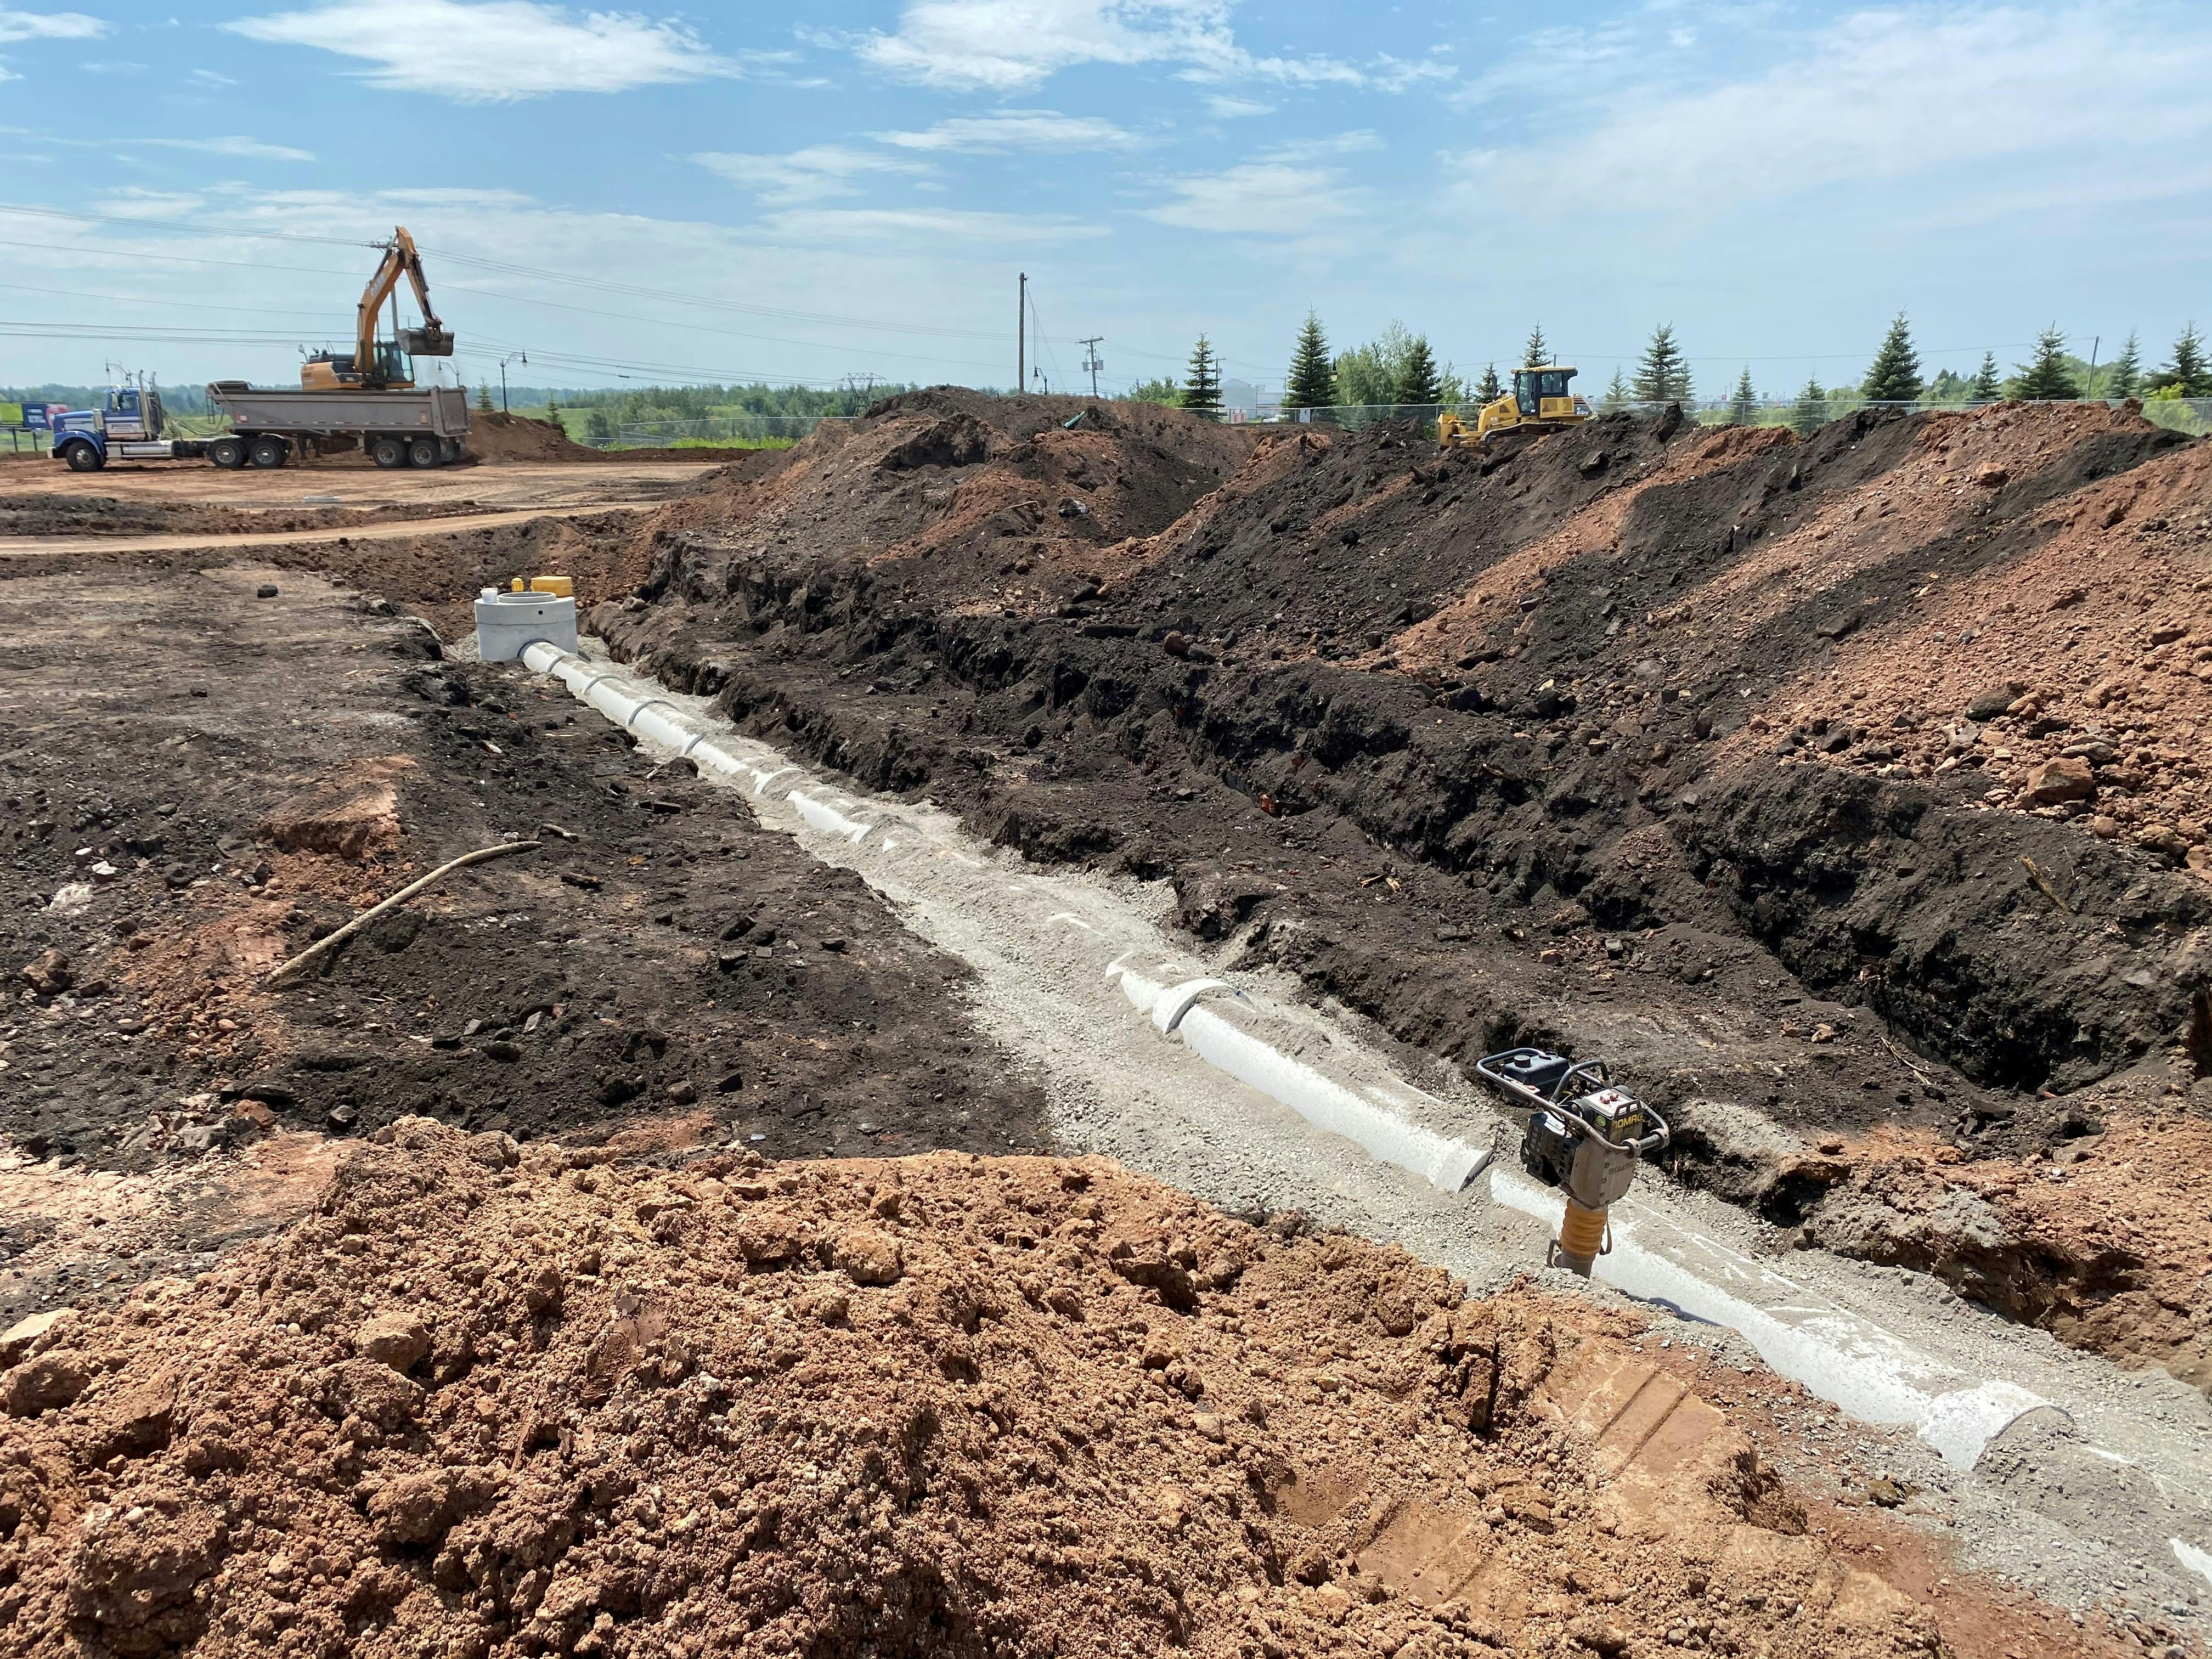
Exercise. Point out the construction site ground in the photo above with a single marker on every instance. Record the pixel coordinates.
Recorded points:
(486, 1293)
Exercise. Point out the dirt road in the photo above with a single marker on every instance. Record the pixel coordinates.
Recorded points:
(487, 487)
(233, 542)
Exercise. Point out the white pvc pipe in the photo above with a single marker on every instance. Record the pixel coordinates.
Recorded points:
(1444, 1163)
(1799, 1332)
(1447, 1164)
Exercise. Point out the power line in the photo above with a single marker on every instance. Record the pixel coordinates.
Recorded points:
(508, 267)
(488, 294)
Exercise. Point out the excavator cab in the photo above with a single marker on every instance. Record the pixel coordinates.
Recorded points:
(332, 371)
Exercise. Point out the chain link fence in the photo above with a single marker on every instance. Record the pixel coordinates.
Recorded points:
(2192, 416)
(715, 431)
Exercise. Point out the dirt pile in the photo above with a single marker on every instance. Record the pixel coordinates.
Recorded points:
(950, 498)
(496, 437)
(1644, 737)
(494, 1400)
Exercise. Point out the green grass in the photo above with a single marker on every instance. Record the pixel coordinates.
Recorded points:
(732, 443)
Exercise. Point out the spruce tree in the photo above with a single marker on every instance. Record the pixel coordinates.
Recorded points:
(1201, 387)
(1489, 389)
(1663, 376)
(1616, 392)
(1895, 375)
(2126, 373)
(1538, 351)
(1811, 412)
(2190, 372)
(483, 397)
(1986, 388)
(1745, 404)
(2045, 380)
(1312, 384)
(1419, 385)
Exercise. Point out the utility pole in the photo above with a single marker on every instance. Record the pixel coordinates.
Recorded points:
(1021, 335)
(1092, 362)
(2090, 391)
(503, 362)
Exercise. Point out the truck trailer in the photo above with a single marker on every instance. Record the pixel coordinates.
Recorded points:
(418, 427)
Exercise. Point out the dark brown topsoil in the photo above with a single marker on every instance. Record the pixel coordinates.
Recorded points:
(45, 513)
(1558, 822)
(198, 782)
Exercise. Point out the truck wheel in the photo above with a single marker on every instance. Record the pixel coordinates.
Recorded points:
(423, 452)
(82, 457)
(227, 453)
(269, 451)
(387, 452)
(449, 451)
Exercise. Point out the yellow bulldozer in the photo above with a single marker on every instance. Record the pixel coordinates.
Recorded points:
(383, 365)
(1540, 401)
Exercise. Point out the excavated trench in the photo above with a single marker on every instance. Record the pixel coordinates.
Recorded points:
(1261, 681)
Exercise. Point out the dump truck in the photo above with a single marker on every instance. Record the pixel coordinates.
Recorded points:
(424, 427)
(365, 398)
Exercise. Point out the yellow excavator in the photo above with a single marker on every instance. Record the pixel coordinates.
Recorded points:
(383, 365)
(1540, 401)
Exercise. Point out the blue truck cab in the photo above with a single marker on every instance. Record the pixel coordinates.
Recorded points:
(127, 426)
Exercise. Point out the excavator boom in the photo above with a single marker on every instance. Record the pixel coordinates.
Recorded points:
(375, 363)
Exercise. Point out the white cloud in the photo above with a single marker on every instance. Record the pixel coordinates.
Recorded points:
(1017, 129)
(1358, 142)
(244, 148)
(48, 26)
(931, 227)
(813, 174)
(1259, 199)
(492, 51)
(133, 203)
(1012, 46)
(112, 66)
(1880, 96)
(209, 78)
(1231, 109)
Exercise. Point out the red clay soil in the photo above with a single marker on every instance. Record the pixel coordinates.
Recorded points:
(2100, 1239)
(491, 1401)
(2091, 644)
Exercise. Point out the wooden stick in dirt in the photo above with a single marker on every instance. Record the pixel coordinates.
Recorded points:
(332, 941)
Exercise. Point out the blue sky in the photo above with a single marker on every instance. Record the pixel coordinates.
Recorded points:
(811, 191)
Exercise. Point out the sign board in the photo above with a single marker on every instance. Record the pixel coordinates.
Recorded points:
(36, 415)
(12, 414)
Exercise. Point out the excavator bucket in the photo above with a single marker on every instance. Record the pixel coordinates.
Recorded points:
(427, 342)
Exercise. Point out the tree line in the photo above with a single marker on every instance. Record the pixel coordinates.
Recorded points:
(1399, 367)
